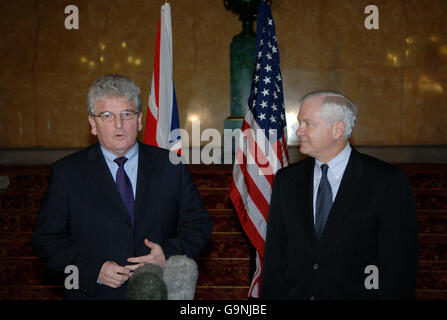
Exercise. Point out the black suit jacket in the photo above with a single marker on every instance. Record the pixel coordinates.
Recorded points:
(83, 221)
(372, 222)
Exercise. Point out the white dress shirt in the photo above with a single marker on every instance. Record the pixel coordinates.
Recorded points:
(335, 172)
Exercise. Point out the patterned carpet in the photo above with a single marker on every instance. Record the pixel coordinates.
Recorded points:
(224, 265)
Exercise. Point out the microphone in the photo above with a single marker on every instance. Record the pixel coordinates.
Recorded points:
(180, 275)
(175, 281)
(146, 283)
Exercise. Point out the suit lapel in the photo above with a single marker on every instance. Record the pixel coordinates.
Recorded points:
(145, 179)
(349, 188)
(304, 193)
(100, 174)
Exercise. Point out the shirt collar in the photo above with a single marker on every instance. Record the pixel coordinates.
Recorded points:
(339, 163)
(109, 156)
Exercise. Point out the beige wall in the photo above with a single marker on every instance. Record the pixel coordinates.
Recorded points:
(397, 74)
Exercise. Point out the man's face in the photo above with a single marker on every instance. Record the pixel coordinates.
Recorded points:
(117, 136)
(316, 137)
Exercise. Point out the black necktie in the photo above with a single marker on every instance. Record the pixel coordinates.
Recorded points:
(324, 201)
(124, 186)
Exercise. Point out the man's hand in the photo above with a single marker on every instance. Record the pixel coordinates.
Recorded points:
(156, 256)
(113, 275)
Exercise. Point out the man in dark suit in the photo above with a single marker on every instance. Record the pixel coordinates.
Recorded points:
(342, 225)
(117, 204)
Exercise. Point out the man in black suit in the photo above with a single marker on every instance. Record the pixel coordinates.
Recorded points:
(342, 225)
(117, 204)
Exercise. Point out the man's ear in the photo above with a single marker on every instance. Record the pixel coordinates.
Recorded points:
(337, 129)
(93, 125)
(140, 117)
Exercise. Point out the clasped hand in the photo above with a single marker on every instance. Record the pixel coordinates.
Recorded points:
(114, 275)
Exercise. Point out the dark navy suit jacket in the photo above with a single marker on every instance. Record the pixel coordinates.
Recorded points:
(372, 222)
(83, 221)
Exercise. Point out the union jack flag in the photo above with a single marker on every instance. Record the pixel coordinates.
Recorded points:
(262, 146)
(162, 113)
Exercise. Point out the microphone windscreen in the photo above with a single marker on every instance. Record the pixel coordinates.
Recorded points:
(180, 275)
(146, 283)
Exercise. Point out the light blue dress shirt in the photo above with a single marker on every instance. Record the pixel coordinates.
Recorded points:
(131, 165)
(335, 173)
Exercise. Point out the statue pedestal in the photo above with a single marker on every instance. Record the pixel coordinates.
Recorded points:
(242, 57)
(233, 123)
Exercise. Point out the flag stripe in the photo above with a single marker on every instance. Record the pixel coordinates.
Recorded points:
(156, 73)
(256, 174)
(247, 223)
(253, 145)
(255, 286)
(151, 119)
(166, 84)
(252, 189)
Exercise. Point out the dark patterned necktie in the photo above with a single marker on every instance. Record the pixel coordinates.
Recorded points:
(324, 202)
(124, 186)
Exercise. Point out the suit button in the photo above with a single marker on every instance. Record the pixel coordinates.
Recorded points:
(316, 266)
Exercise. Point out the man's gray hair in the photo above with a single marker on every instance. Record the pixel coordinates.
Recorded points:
(113, 85)
(335, 107)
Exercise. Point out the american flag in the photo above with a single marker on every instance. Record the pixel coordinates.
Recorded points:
(262, 146)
